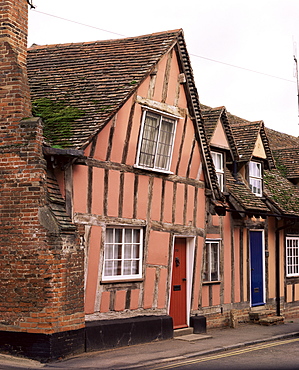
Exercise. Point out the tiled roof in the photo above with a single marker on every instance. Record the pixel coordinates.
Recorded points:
(286, 152)
(279, 140)
(245, 135)
(243, 195)
(281, 193)
(96, 77)
(211, 117)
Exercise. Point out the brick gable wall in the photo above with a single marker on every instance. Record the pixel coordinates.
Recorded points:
(41, 267)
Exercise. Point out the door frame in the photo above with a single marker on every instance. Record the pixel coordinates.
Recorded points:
(262, 231)
(190, 248)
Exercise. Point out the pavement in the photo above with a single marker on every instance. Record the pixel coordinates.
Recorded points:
(162, 352)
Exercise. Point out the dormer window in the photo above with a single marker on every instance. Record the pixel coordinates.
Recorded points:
(255, 178)
(156, 141)
(219, 167)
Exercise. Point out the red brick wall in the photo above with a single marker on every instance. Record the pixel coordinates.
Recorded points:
(41, 281)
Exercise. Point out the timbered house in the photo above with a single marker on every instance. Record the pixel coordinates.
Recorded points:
(250, 261)
(134, 169)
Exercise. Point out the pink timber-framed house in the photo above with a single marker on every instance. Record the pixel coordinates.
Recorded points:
(133, 170)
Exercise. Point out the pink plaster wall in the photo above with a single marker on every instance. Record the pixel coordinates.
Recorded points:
(149, 286)
(237, 287)
(133, 143)
(197, 272)
(105, 302)
(180, 201)
(97, 191)
(134, 303)
(162, 288)
(216, 295)
(128, 202)
(205, 296)
(93, 268)
(195, 163)
(113, 193)
(227, 279)
(142, 197)
(143, 88)
(245, 266)
(120, 131)
(168, 199)
(271, 259)
(158, 246)
(190, 205)
(201, 206)
(80, 182)
(156, 200)
(173, 80)
(289, 297)
(102, 143)
(160, 79)
(186, 152)
(120, 300)
(176, 144)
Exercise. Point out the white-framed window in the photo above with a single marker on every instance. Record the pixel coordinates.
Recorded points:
(255, 178)
(212, 261)
(292, 256)
(123, 253)
(219, 167)
(156, 141)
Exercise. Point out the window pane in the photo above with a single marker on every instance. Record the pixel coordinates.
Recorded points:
(109, 235)
(149, 140)
(292, 256)
(127, 267)
(157, 141)
(122, 253)
(109, 251)
(118, 235)
(127, 251)
(211, 267)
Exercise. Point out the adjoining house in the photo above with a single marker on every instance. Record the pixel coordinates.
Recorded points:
(251, 252)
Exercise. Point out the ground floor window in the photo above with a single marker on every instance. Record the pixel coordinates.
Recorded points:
(211, 261)
(292, 255)
(123, 253)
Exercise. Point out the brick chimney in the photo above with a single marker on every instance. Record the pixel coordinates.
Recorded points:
(14, 88)
(41, 268)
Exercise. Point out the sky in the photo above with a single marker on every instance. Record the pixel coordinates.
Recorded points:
(242, 52)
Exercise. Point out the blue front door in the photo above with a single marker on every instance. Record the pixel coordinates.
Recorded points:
(257, 268)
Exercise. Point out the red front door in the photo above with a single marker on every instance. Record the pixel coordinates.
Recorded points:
(178, 296)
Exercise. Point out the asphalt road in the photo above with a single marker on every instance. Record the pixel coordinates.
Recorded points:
(272, 355)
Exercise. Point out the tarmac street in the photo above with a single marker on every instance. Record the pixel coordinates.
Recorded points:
(161, 353)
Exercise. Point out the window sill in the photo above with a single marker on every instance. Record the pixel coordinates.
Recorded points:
(153, 169)
(133, 280)
(211, 282)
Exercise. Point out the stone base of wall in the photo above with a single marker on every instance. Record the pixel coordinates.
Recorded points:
(97, 335)
(43, 347)
(106, 334)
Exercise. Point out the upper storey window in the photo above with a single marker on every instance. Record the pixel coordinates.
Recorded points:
(219, 167)
(255, 178)
(156, 141)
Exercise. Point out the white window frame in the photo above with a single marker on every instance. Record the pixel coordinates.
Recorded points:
(117, 263)
(292, 256)
(256, 178)
(218, 160)
(154, 152)
(208, 259)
